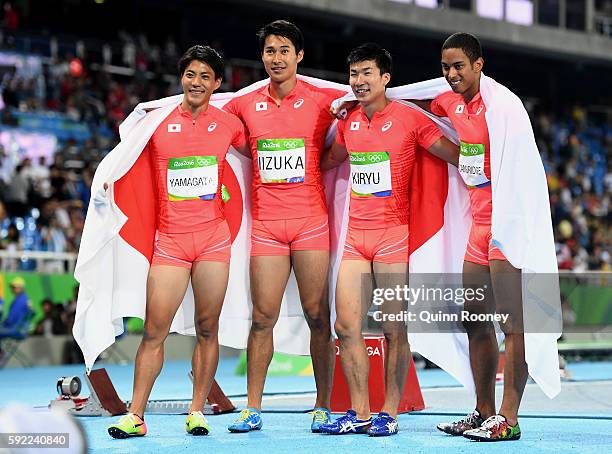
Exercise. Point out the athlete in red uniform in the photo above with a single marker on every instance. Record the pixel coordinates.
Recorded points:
(381, 139)
(484, 264)
(468, 118)
(188, 152)
(287, 121)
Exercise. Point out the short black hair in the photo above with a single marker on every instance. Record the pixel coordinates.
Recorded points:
(205, 54)
(374, 52)
(282, 28)
(467, 42)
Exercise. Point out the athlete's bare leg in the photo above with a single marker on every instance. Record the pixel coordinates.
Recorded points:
(209, 282)
(166, 286)
(269, 275)
(311, 272)
(349, 315)
(484, 351)
(508, 295)
(397, 354)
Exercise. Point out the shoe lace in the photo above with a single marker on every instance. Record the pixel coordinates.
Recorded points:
(470, 418)
(244, 415)
(493, 422)
(319, 416)
(384, 419)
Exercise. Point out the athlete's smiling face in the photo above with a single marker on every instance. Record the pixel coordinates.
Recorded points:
(199, 81)
(280, 58)
(366, 81)
(462, 75)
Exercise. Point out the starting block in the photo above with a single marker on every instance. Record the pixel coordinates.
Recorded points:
(104, 400)
(411, 400)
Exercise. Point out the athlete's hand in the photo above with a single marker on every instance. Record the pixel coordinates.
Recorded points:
(342, 110)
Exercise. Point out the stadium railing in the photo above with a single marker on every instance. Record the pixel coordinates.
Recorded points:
(45, 261)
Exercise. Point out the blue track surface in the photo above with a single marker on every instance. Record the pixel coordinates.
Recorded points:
(288, 432)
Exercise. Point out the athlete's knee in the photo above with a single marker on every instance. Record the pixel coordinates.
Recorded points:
(396, 335)
(512, 325)
(476, 329)
(263, 321)
(207, 329)
(154, 334)
(346, 329)
(317, 319)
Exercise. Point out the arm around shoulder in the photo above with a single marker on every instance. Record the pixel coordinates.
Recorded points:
(333, 156)
(445, 150)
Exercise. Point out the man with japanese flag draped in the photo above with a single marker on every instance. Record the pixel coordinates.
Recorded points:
(185, 157)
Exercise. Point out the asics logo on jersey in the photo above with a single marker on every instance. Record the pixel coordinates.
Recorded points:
(298, 103)
(386, 126)
(479, 110)
(355, 126)
(174, 127)
(459, 109)
(212, 126)
(259, 106)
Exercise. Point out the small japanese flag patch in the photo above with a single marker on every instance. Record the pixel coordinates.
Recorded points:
(261, 106)
(174, 127)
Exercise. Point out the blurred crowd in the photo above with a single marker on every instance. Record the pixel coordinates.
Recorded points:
(575, 151)
(43, 204)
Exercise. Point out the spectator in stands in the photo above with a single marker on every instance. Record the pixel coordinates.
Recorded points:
(18, 312)
(4, 219)
(72, 353)
(83, 187)
(17, 193)
(40, 182)
(52, 323)
(12, 242)
(11, 19)
(54, 240)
